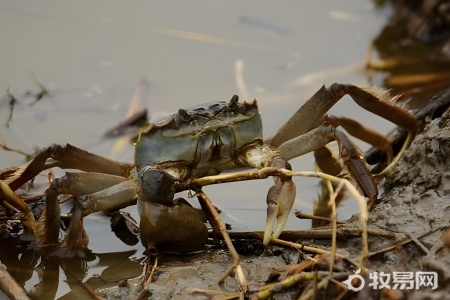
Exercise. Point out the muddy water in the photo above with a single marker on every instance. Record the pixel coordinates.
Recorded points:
(91, 56)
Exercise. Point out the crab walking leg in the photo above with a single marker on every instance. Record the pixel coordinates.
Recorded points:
(70, 156)
(113, 198)
(113, 192)
(66, 157)
(327, 162)
(80, 183)
(116, 197)
(281, 195)
(361, 132)
(353, 159)
(305, 143)
(371, 99)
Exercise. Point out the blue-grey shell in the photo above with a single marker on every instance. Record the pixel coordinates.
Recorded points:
(205, 136)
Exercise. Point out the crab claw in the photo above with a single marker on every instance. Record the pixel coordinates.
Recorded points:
(281, 195)
(156, 186)
(280, 199)
(167, 224)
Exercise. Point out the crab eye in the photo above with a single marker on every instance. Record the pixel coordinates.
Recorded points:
(156, 186)
(234, 100)
(234, 106)
(184, 115)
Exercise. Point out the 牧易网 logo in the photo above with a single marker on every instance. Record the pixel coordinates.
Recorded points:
(394, 280)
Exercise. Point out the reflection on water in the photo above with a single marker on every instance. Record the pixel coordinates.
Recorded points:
(91, 59)
(25, 265)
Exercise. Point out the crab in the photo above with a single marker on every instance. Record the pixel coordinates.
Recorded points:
(201, 141)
